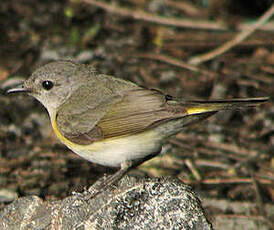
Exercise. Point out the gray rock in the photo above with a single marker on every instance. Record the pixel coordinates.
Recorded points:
(162, 203)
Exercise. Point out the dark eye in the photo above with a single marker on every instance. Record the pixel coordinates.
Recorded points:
(47, 85)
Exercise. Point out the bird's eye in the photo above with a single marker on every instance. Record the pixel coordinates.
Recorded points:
(47, 85)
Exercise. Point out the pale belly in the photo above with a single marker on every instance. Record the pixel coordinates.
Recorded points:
(114, 151)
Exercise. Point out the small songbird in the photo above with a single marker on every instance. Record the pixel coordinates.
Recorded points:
(114, 122)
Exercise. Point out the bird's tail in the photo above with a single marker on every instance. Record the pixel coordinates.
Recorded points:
(204, 106)
(198, 110)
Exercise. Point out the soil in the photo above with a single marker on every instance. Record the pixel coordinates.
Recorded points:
(228, 158)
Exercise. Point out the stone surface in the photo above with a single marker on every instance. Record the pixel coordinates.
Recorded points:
(162, 203)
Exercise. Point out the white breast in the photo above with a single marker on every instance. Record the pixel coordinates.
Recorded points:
(114, 151)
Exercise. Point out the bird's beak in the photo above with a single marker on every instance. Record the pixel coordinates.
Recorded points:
(18, 89)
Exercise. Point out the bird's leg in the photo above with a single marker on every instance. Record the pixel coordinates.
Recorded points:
(111, 179)
(125, 167)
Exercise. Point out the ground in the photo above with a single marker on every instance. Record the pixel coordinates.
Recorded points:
(227, 159)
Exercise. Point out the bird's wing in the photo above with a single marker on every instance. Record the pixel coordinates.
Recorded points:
(137, 111)
(131, 113)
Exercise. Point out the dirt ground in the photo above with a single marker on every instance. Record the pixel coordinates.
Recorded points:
(228, 160)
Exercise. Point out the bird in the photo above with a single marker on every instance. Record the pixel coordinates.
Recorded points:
(111, 121)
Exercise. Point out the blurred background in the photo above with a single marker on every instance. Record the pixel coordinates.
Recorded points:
(228, 160)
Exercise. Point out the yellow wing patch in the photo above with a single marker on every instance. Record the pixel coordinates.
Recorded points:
(199, 109)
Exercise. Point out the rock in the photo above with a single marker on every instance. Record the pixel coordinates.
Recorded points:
(161, 203)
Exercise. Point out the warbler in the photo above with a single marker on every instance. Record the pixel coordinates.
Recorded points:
(114, 122)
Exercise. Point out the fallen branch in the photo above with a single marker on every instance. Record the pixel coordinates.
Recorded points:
(183, 23)
(177, 62)
(238, 39)
(142, 15)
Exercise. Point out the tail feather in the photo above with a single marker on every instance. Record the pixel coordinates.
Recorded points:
(204, 106)
(197, 110)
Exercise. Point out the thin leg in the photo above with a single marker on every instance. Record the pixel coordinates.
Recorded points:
(125, 167)
(111, 179)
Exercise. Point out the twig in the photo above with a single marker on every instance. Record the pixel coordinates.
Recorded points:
(239, 38)
(148, 79)
(177, 62)
(222, 181)
(232, 148)
(186, 7)
(269, 26)
(259, 199)
(193, 169)
(142, 15)
(237, 216)
(183, 23)
(212, 164)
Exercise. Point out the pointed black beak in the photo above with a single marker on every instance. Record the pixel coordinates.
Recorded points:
(18, 89)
